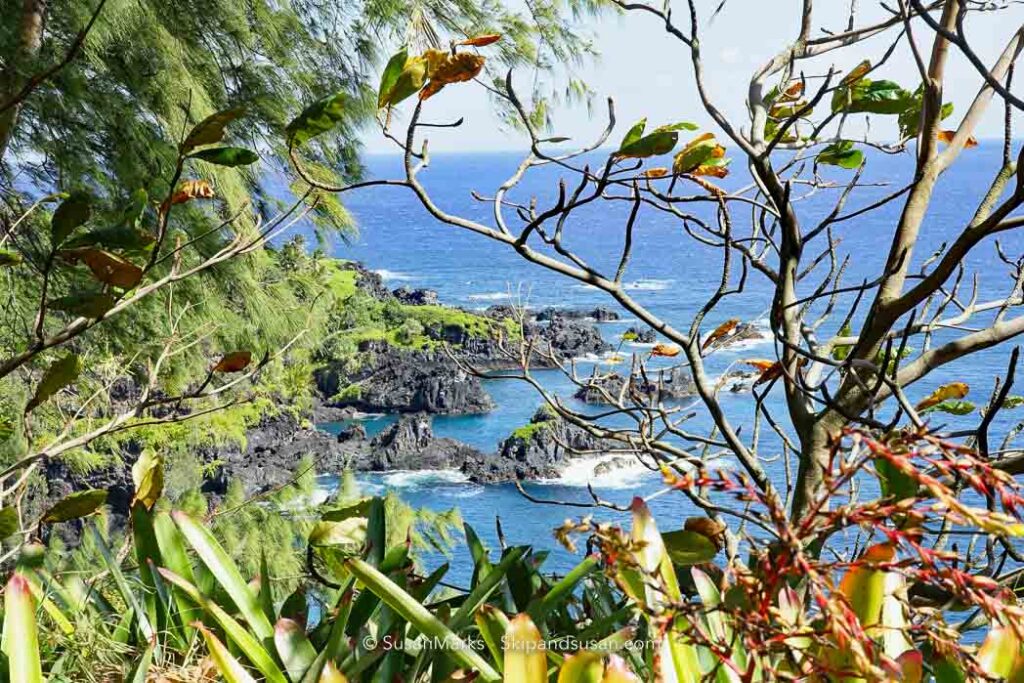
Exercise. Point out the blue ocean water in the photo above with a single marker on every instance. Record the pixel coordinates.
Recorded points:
(670, 273)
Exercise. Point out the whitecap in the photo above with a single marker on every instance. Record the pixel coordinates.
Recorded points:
(393, 275)
(649, 285)
(417, 478)
(580, 472)
(359, 415)
(489, 296)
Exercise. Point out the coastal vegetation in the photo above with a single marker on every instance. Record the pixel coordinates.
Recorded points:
(167, 345)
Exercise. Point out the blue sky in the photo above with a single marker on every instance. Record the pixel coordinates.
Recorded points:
(647, 72)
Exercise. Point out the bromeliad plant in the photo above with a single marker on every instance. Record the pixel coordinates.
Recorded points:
(647, 606)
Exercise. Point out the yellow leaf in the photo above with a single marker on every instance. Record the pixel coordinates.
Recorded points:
(148, 475)
(656, 172)
(330, 674)
(525, 661)
(856, 73)
(947, 136)
(954, 390)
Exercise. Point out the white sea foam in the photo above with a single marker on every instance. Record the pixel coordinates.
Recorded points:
(649, 285)
(489, 296)
(580, 472)
(393, 275)
(417, 478)
(359, 415)
(643, 284)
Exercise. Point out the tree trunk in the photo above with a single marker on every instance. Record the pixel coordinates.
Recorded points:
(814, 457)
(30, 38)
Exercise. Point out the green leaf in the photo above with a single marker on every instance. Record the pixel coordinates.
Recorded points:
(634, 133)
(893, 481)
(8, 522)
(211, 129)
(910, 118)
(226, 156)
(562, 589)
(129, 597)
(121, 237)
(1011, 402)
(843, 352)
(60, 374)
(20, 637)
(226, 573)
(293, 647)
(682, 125)
(482, 591)
(141, 673)
(652, 145)
(390, 76)
(872, 97)
(411, 79)
(75, 506)
(228, 666)
(492, 624)
(9, 258)
(688, 548)
(1000, 654)
(72, 212)
(248, 643)
(86, 304)
(347, 534)
(317, 118)
(585, 666)
(420, 617)
(951, 407)
(840, 154)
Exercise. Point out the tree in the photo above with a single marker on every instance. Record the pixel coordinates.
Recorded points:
(136, 222)
(795, 129)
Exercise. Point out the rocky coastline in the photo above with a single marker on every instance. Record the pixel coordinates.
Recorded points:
(431, 370)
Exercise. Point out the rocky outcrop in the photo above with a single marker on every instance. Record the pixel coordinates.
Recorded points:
(670, 384)
(601, 314)
(272, 449)
(410, 444)
(415, 297)
(394, 380)
(741, 333)
(568, 338)
(642, 336)
(538, 450)
(368, 281)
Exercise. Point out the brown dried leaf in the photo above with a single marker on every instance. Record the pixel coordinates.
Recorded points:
(665, 350)
(108, 268)
(236, 361)
(719, 332)
(457, 68)
(193, 189)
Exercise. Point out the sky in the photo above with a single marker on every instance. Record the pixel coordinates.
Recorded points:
(648, 73)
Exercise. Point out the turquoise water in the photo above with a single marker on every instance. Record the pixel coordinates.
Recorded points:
(671, 274)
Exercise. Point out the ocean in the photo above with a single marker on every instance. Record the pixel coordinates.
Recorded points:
(670, 273)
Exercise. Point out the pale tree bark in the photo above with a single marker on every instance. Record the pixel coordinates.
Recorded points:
(30, 39)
